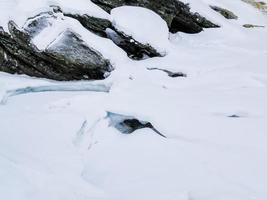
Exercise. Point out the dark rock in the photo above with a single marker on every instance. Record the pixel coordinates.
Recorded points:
(6, 62)
(252, 26)
(93, 24)
(67, 58)
(188, 22)
(133, 48)
(128, 124)
(177, 14)
(81, 60)
(224, 12)
(170, 74)
(23, 59)
(11, 65)
(203, 22)
(234, 116)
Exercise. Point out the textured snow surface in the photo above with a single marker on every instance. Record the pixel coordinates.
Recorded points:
(58, 145)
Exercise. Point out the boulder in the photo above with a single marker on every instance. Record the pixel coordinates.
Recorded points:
(80, 59)
(68, 57)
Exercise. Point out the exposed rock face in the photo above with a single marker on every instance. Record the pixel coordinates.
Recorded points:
(80, 59)
(93, 24)
(7, 64)
(67, 58)
(224, 12)
(23, 59)
(175, 13)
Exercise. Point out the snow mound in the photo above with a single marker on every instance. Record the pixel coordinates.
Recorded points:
(142, 24)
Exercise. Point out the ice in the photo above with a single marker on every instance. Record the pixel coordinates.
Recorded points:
(57, 88)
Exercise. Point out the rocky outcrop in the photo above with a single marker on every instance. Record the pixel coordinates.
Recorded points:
(177, 14)
(93, 24)
(224, 12)
(104, 28)
(66, 58)
(80, 59)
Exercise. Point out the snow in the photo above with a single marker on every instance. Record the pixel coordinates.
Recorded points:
(20, 10)
(52, 34)
(246, 13)
(142, 24)
(59, 145)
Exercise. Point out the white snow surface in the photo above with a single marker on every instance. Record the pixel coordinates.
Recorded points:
(20, 10)
(59, 145)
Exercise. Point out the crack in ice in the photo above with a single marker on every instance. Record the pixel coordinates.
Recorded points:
(105, 88)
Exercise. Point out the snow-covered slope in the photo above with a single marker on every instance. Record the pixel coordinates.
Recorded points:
(60, 145)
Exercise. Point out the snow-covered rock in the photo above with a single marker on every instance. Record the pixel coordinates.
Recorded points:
(176, 13)
(61, 55)
(142, 24)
